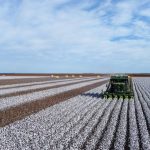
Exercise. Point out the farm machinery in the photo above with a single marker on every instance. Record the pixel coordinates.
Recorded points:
(119, 86)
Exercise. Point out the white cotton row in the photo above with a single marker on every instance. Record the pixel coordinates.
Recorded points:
(37, 86)
(133, 128)
(80, 139)
(108, 135)
(144, 103)
(63, 141)
(143, 129)
(122, 127)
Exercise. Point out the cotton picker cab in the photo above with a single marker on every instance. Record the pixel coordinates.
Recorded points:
(120, 86)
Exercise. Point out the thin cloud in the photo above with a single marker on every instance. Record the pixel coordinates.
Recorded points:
(66, 36)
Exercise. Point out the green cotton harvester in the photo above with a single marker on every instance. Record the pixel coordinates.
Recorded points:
(120, 86)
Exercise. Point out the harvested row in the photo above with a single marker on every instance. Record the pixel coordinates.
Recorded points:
(20, 99)
(18, 112)
(29, 89)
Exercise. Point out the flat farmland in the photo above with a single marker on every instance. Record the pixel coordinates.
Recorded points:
(70, 114)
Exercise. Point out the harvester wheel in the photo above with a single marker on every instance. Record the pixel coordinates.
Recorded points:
(118, 96)
(124, 96)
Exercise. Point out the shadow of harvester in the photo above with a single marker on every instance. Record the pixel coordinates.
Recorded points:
(94, 95)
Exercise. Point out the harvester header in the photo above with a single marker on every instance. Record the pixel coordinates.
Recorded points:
(120, 86)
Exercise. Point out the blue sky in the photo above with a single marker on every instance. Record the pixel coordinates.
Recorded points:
(74, 36)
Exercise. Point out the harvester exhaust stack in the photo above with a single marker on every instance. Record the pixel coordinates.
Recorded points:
(120, 86)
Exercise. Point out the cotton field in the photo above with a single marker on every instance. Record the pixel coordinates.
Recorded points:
(80, 119)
